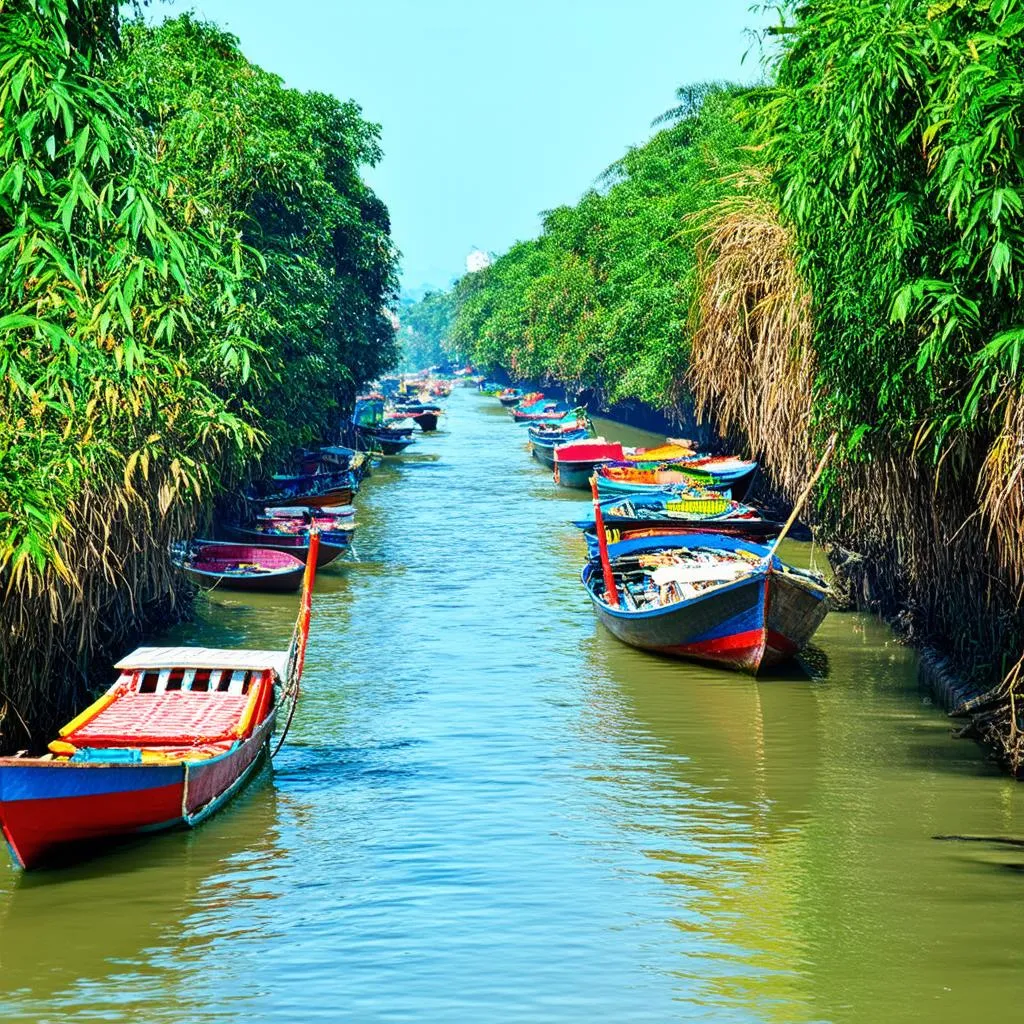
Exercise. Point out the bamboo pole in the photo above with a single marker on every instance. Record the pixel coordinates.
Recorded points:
(805, 494)
(610, 590)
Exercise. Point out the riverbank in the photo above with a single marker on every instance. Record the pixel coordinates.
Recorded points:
(244, 293)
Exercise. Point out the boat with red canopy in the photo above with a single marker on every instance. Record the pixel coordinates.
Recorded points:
(575, 462)
(179, 733)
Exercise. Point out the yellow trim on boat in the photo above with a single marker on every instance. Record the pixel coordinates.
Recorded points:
(91, 711)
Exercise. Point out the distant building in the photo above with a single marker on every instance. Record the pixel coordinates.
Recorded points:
(477, 260)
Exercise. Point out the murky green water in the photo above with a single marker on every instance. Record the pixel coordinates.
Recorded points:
(490, 810)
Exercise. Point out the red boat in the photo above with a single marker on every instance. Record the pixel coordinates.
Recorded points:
(575, 462)
(294, 539)
(179, 733)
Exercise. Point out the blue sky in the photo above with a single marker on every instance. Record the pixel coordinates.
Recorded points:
(490, 112)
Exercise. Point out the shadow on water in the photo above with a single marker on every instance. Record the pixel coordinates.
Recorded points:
(135, 924)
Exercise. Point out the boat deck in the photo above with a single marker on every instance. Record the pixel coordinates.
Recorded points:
(174, 717)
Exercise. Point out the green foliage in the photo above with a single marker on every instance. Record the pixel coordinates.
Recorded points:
(425, 330)
(272, 174)
(602, 297)
(187, 270)
(192, 274)
(105, 303)
(894, 130)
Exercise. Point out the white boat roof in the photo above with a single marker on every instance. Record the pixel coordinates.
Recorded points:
(204, 657)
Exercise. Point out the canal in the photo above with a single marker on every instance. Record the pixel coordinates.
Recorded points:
(490, 810)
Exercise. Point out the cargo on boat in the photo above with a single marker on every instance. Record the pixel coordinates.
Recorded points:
(708, 597)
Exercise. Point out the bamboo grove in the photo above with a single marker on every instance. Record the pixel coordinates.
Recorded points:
(194, 276)
(837, 250)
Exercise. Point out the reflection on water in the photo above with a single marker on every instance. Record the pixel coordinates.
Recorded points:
(488, 809)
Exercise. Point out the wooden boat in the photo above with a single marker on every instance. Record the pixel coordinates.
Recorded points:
(731, 477)
(614, 480)
(372, 433)
(668, 452)
(321, 479)
(666, 515)
(490, 388)
(724, 472)
(178, 734)
(546, 409)
(510, 397)
(357, 463)
(327, 517)
(425, 419)
(385, 441)
(717, 599)
(211, 563)
(293, 537)
(313, 499)
(576, 461)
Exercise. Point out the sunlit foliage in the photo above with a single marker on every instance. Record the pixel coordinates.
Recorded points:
(601, 298)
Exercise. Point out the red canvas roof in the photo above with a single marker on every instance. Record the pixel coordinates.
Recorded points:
(181, 717)
(588, 451)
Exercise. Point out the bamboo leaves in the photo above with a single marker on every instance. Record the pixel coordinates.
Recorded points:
(157, 331)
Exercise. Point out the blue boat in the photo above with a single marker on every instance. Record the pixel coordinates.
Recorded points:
(372, 433)
(717, 599)
(665, 515)
(621, 478)
(544, 410)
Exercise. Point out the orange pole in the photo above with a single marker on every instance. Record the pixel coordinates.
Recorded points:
(306, 604)
(611, 592)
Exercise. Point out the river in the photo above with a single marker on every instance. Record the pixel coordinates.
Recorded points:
(490, 810)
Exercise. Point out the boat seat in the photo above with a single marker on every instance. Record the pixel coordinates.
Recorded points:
(172, 717)
(238, 680)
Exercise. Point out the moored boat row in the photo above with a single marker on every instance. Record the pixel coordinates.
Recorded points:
(677, 562)
(181, 730)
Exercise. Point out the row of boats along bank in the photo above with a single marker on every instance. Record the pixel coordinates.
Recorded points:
(677, 563)
(182, 729)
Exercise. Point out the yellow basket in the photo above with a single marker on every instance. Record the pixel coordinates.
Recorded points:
(699, 506)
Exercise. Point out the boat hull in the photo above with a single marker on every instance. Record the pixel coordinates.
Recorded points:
(335, 496)
(632, 529)
(53, 808)
(426, 421)
(750, 625)
(286, 582)
(386, 441)
(609, 488)
(543, 453)
(575, 474)
(538, 417)
(298, 545)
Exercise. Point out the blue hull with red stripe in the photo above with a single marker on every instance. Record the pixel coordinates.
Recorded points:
(756, 622)
(47, 807)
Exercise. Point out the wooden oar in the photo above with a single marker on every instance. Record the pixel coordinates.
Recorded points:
(806, 493)
(610, 590)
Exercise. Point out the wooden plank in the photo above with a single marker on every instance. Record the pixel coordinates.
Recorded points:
(204, 657)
